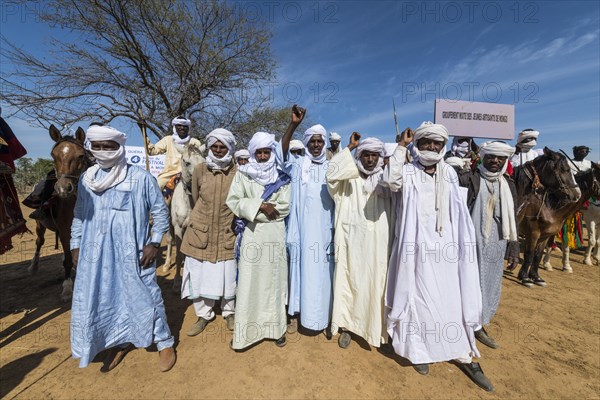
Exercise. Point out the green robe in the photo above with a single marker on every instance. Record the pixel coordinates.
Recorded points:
(262, 267)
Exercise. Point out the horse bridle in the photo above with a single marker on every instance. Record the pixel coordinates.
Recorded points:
(537, 182)
(88, 158)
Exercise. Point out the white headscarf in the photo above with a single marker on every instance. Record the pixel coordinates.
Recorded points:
(225, 137)
(461, 149)
(296, 145)
(438, 132)
(262, 173)
(113, 160)
(374, 176)
(455, 162)
(507, 206)
(526, 134)
(390, 148)
(334, 136)
(242, 153)
(308, 157)
(176, 138)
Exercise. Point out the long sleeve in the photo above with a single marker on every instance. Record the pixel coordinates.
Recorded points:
(392, 174)
(159, 148)
(195, 184)
(158, 209)
(77, 225)
(341, 168)
(239, 202)
(281, 200)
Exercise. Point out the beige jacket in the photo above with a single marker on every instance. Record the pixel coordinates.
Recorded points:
(210, 236)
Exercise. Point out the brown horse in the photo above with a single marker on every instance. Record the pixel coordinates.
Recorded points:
(71, 159)
(546, 191)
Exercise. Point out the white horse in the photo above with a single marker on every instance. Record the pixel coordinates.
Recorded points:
(591, 216)
(180, 209)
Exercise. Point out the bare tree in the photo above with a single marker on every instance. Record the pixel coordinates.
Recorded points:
(143, 60)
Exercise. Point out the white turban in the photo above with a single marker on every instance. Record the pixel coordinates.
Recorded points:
(296, 145)
(176, 138)
(181, 121)
(461, 149)
(496, 148)
(97, 133)
(374, 176)
(429, 130)
(390, 148)
(243, 153)
(456, 162)
(432, 131)
(527, 135)
(114, 161)
(335, 136)
(225, 137)
(266, 172)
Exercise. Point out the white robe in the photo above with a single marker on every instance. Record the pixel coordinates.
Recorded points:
(361, 239)
(519, 159)
(433, 295)
(262, 267)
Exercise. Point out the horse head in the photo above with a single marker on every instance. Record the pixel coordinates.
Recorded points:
(594, 181)
(189, 159)
(70, 160)
(555, 174)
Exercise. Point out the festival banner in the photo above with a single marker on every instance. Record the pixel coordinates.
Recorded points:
(136, 156)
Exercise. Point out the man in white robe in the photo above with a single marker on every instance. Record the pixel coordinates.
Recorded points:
(242, 157)
(525, 151)
(361, 239)
(433, 296)
(260, 197)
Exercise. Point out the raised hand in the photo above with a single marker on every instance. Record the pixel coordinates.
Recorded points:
(406, 137)
(354, 141)
(298, 114)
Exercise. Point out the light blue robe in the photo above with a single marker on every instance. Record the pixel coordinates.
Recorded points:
(310, 243)
(115, 300)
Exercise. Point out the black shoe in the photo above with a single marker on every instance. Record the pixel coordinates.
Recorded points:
(344, 340)
(539, 281)
(527, 282)
(328, 334)
(474, 371)
(423, 369)
(282, 341)
(484, 338)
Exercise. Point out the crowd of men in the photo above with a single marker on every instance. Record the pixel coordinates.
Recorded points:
(402, 244)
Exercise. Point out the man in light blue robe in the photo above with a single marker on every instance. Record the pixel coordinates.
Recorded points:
(309, 230)
(117, 303)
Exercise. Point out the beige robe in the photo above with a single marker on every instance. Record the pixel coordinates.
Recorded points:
(362, 233)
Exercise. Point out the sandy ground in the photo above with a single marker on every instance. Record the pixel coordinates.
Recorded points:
(550, 348)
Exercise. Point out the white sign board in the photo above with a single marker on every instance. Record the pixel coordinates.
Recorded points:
(474, 119)
(137, 156)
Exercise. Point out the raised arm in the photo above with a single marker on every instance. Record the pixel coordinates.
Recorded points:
(298, 114)
(392, 174)
(159, 148)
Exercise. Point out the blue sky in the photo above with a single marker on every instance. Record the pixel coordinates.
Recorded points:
(345, 60)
